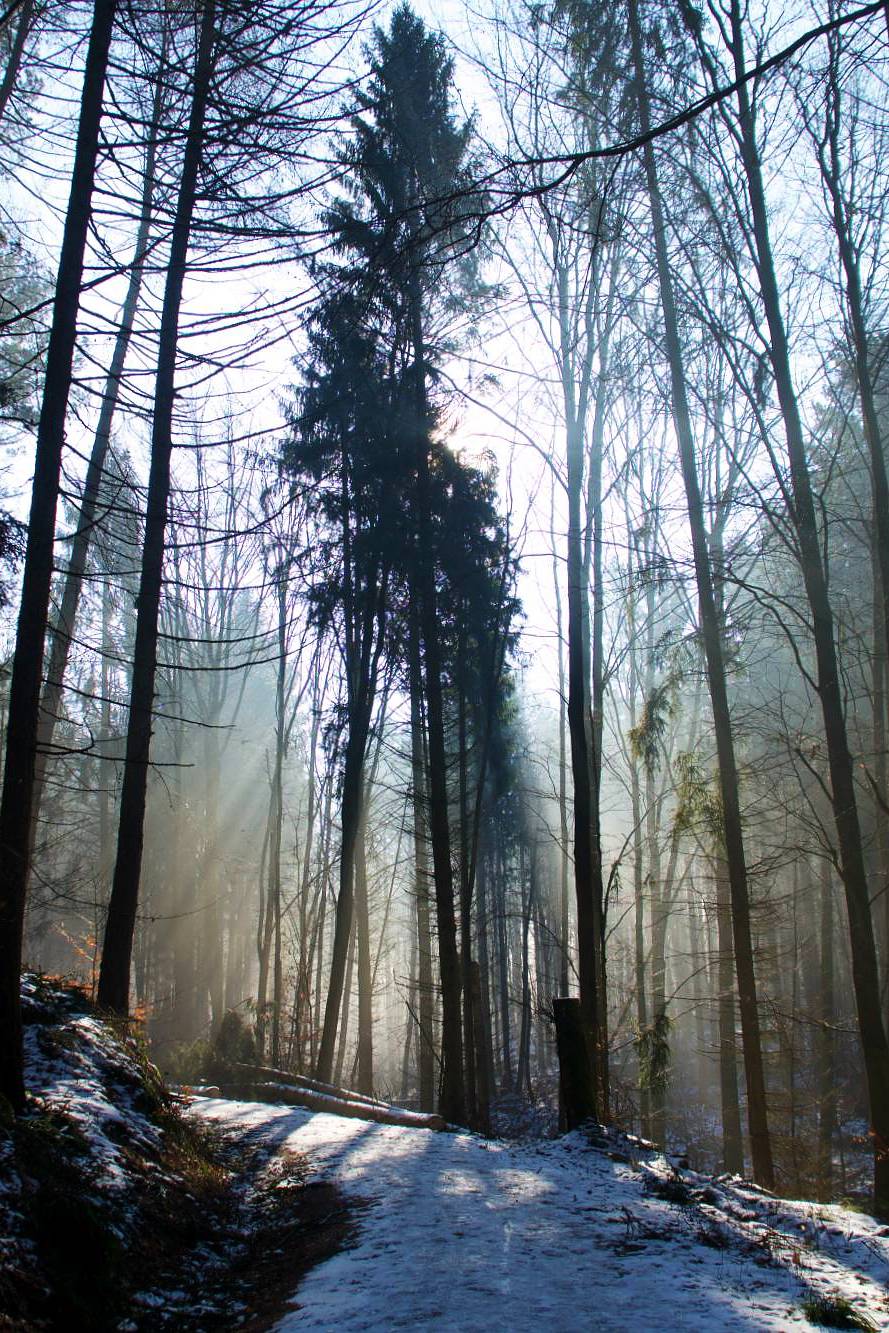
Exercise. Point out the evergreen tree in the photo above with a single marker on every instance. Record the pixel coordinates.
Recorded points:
(346, 449)
(413, 219)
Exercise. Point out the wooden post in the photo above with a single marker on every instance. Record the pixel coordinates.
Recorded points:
(576, 1086)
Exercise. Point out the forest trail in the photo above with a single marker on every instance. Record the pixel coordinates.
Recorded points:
(458, 1233)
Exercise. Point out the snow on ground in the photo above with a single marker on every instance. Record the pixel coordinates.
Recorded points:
(75, 1064)
(458, 1233)
(101, 1191)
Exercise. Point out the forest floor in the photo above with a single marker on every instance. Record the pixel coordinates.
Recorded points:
(454, 1232)
(119, 1213)
(122, 1210)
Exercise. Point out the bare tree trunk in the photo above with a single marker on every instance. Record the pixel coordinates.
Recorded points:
(523, 1078)
(365, 983)
(657, 891)
(881, 770)
(277, 980)
(212, 880)
(16, 51)
(347, 1004)
(265, 932)
(587, 858)
(421, 879)
(865, 974)
(711, 631)
(62, 631)
(484, 1010)
(350, 816)
(860, 338)
(276, 824)
(503, 971)
(657, 899)
(365, 637)
(106, 765)
(16, 805)
(732, 1141)
(114, 977)
(827, 1102)
(638, 883)
(466, 963)
(184, 1026)
(411, 1023)
(639, 943)
(595, 655)
(697, 991)
(452, 1103)
(303, 999)
(481, 1047)
(322, 914)
(564, 985)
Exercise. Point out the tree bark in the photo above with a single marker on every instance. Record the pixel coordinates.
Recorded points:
(595, 655)
(347, 1002)
(16, 804)
(481, 1047)
(62, 631)
(366, 636)
(350, 816)
(842, 774)
(484, 1009)
(426, 1008)
(587, 860)
(577, 1091)
(365, 982)
(879, 666)
(503, 970)
(711, 631)
(114, 977)
(528, 875)
(466, 887)
(842, 210)
(732, 1140)
(639, 958)
(276, 825)
(564, 987)
(826, 1048)
(16, 51)
(452, 1103)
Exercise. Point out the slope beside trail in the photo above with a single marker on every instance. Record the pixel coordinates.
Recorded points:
(454, 1232)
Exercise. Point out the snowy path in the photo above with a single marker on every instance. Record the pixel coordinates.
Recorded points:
(460, 1234)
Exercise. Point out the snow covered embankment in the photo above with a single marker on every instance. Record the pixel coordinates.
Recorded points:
(118, 1214)
(457, 1233)
(102, 1185)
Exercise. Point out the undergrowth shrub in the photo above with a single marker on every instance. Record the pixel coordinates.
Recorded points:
(835, 1312)
(231, 1045)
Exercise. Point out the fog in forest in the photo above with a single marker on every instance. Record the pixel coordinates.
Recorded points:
(456, 577)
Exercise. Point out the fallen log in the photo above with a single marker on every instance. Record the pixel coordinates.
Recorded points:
(266, 1074)
(380, 1112)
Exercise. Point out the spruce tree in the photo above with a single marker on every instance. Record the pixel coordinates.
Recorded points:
(413, 219)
